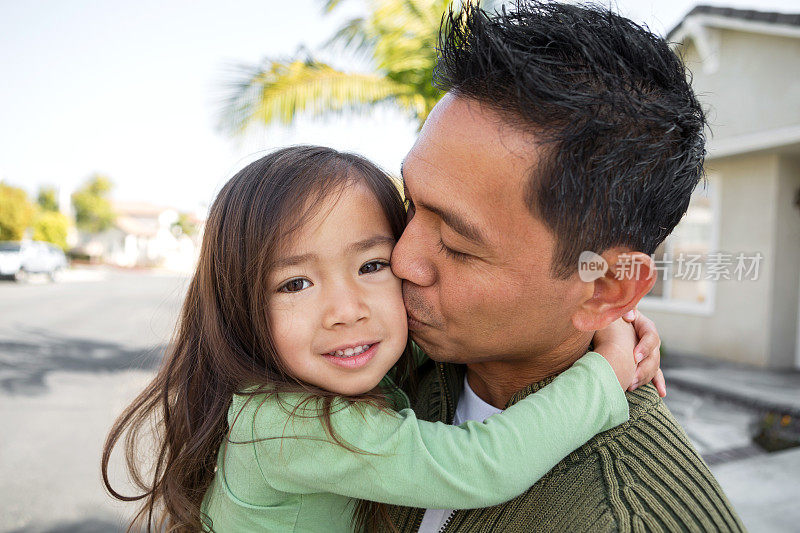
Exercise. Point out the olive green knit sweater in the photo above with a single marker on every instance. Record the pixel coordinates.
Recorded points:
(642, 476)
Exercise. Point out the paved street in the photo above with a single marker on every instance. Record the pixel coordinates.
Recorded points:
(73, 354)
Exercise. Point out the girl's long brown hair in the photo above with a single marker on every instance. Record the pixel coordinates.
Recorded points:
(222, 342)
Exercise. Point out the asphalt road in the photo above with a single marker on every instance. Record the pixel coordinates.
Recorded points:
(72, 355)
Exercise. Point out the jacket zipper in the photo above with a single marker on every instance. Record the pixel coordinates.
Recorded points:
(448, 415)
(448, 401)
(448, 411)
(447, 522)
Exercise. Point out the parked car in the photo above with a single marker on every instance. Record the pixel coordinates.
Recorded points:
(19, 259)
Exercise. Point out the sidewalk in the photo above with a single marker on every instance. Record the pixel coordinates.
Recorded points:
(775, 391)
(723, 406)
(764, 490)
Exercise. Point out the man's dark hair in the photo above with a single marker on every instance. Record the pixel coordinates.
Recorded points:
(621, 130)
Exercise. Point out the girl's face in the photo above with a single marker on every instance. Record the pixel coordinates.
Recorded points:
(335, 308)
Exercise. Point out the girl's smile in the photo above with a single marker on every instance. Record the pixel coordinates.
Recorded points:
(353, 357)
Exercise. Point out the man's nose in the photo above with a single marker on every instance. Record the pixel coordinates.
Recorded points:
(410, 258)
(344, 305)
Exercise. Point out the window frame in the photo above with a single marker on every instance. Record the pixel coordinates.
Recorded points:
(706, 308)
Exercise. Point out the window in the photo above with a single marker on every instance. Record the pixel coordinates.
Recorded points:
(682, 260)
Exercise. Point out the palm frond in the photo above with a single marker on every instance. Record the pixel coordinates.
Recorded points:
(353, 36)
(417, 105)
(398, 36)
(280, 91)
(330, 5)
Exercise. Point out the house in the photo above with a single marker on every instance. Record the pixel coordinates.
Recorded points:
(145, 235)
(729, 279)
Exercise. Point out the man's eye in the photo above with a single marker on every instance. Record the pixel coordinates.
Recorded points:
(373, 266)
(295, 285)
(452, 254)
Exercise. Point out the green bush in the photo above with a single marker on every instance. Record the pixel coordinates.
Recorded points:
(16, 213)
(47, 199)
(51, 226)
(93, 211)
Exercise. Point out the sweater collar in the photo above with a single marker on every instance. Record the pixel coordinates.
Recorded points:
(530, 389)
(535, 387)
(455, 377)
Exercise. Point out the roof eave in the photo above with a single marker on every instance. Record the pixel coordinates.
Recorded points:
(685, 27)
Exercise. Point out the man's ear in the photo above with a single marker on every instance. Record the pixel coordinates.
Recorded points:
(629, 277)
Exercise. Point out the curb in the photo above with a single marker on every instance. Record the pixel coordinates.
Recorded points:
(755, 404)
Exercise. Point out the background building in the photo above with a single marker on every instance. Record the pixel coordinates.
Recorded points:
(746, 221)
(146, 235)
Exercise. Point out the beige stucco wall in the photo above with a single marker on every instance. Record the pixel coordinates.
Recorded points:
(738, 329)
(756, 86)
(785, 290)
(753, 88)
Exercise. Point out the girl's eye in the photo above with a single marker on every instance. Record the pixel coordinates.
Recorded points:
(452, 254)
(295, 285)
(373, 266)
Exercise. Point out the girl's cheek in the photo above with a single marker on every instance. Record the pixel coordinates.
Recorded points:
(389, 299)
(399, 308)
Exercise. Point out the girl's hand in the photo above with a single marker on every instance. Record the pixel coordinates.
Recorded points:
(647, 353)
(616, 343)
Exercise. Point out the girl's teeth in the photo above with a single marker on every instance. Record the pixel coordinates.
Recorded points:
(350, 352)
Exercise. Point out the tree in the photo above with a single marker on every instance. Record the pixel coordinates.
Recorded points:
(51, 226)
(93, 211)
(184, 226)
(16, 212)
(399, 36)
(48, 199)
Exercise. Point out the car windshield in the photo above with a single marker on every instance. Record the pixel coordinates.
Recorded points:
(9, 247)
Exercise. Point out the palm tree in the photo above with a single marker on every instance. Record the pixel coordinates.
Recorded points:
(398, 35)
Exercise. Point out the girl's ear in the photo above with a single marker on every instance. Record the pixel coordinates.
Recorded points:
(629, 277)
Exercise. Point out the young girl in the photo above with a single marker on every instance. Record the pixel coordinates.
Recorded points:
(281, 399)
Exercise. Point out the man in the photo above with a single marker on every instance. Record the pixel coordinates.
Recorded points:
(565, 130)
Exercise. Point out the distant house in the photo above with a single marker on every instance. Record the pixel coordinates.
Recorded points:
(145, 235)
(745, 303)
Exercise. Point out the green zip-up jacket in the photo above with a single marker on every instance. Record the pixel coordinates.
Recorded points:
(642, 476)
(280, 470)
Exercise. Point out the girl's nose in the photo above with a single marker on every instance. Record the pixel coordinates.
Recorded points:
(344, 306)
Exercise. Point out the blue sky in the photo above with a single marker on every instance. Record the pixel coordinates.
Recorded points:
(131, 89)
